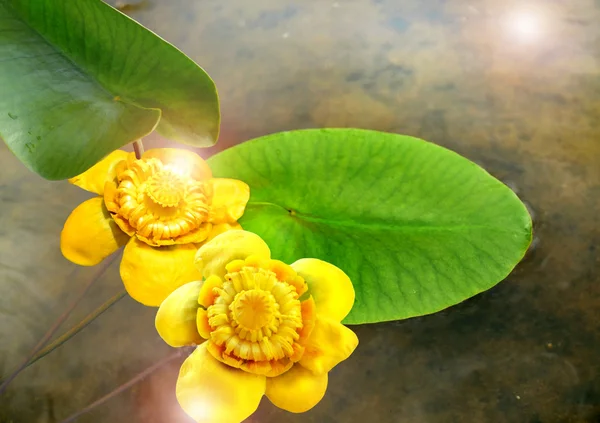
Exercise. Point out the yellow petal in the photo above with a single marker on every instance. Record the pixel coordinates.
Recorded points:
(184, 161)
(195, 236)
(202, 325)
(96, 176)
(206, 296)
(285, 273)
(213, 256)
(309, 319)
(218, 228)
(297, 390)
(210, 391)
(90, 234)
(176, 318)
(329, 344)
(150, 274)
(330, 287)
(229, 198)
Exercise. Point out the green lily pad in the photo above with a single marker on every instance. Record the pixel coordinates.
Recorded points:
(80, 79)
(417, 227)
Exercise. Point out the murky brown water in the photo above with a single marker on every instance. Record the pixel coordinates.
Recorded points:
(513, 85)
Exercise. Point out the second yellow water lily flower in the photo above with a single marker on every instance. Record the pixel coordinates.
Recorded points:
(264, 328)
(161, 207)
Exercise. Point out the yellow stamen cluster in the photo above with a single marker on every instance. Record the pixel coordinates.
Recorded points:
(257, 322)
(166, 188)
(157, 203)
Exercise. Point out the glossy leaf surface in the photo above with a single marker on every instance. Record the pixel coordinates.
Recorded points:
(417, 227)
(79, 79)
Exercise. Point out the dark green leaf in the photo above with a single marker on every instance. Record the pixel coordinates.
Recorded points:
(80, 79)
(417, 227)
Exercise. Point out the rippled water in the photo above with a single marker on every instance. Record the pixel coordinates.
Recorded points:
(512, 85)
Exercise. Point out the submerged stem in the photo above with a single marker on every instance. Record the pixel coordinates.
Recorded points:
(138, 148)
(138, 378)
(50, 333)
(77, 328)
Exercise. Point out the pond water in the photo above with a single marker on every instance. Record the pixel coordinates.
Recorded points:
(512, 85)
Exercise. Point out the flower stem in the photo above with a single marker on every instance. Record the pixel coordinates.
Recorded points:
(61, 319)
(138, 378)
(77, 328)
(138, 148)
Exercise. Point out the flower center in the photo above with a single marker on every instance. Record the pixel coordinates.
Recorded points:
(159, 204)
(254, 309)
(166, 188)
(255, 320)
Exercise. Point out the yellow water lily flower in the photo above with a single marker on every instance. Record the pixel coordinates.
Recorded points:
(161, 207)
(263, 328)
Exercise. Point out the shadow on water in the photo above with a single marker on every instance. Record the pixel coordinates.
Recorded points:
(513, 87)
